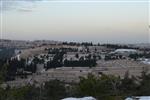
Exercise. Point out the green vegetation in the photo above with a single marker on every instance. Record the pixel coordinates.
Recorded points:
(116, 46)
(9, 69)
(103, 87)
(136, 56)
(80, 63)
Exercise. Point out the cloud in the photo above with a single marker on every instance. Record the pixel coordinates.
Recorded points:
(25, 10)
(7, 5)
(18, 5)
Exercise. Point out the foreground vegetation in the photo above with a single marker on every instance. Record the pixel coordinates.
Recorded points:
(103, 87)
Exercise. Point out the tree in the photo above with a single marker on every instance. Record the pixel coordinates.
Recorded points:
(144, 88)
(128, 85)
(22, 93)
(105, 87)
(54, 90)
(134, 56)
(3, 73)
(77, 55)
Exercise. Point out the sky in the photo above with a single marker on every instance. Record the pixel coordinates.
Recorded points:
(104, 21)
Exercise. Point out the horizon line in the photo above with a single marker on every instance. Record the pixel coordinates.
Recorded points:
(108, 42)
(97, 1)
(90, 1)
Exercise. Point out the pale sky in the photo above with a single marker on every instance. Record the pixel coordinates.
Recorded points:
(116, 21)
